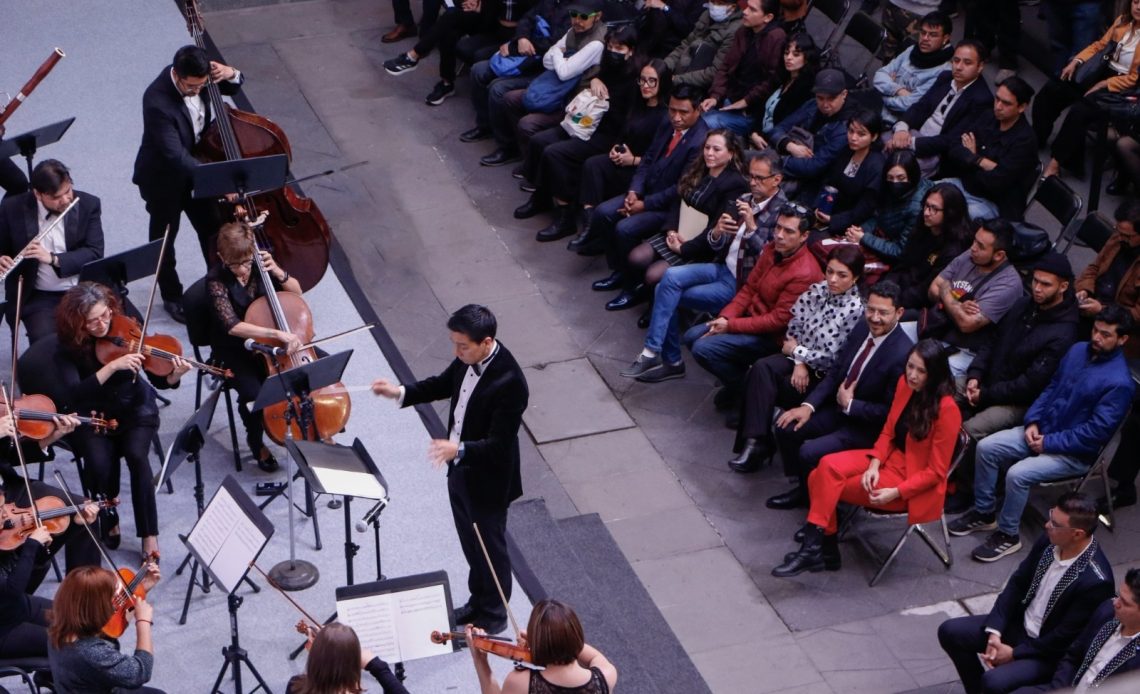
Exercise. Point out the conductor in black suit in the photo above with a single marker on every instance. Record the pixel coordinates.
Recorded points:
(488, 395)
(51, 265)
(175, 114)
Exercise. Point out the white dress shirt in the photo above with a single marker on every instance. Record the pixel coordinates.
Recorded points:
(196, 107)
(1106, 653)
(1035, 613)
(46, 278)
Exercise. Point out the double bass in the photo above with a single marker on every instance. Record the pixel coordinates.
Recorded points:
(297, 234)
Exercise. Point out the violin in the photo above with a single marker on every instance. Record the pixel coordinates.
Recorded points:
(125, 597)
(124, 336)
(35, 417)
(488, 644)
(17, 523)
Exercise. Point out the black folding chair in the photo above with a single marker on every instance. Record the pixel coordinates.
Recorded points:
(868, 34)
(835, 11)
(1063, 204)
(1094, 231)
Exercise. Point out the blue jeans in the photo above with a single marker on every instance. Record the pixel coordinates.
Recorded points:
(738, 122)
(487, 86)
(728, 356)
(1071, 26)
(701, 287)
(979, 208)
(1007, 449)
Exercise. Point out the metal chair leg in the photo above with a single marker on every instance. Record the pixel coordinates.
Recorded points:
(1109, 522)
(942, 556)
(894, 553)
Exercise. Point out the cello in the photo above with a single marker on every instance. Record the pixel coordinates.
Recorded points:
(298, 235)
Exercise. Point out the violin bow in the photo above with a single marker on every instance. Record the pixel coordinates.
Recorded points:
(276, 587)
(498, 586)
(153, 290)
(12, 410)
(346, 333)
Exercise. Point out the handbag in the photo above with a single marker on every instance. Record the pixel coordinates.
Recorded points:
(547, 93)
(1121, 108)
(1089, 72)
(583, 114)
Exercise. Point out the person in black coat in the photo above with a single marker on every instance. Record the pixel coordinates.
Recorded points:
(942, 234)
(175, 114)
(488, 394)
(50, 266)
(856, 175)
(847, 409)
(1043, 607)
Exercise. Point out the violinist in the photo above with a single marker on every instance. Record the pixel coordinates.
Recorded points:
(232, 286)
(51, 265)
(82, 660)
(120, 392)
(175, 114)
(335, 661)
(556, 642)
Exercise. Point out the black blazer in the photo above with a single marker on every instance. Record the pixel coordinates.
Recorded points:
(975, 103)
(1072, 667)
(82, 232)
(490, 461)
(1071, 609)
(875, 389)
(165, 162)
(656, 177)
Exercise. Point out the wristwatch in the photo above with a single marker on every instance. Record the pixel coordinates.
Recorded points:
(54, 260)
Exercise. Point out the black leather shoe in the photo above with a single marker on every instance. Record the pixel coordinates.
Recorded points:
(586, 242)
(531, 207)
(562, 227)
(801, 533)
(627, 299)
(831, 559)
(752, 457)
(645, 319)
(475, 135)
(500, 157)
(518, 173)
(266, 461)
(174, 308)
(793, 498)
(808, 558)
(464, 614)
(607, 283)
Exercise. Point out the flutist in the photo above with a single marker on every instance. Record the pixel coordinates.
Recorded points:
(49, 262)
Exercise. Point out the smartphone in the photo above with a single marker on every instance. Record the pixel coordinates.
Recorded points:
(620, 149)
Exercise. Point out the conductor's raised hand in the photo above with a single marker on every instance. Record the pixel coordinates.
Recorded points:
(386, 388)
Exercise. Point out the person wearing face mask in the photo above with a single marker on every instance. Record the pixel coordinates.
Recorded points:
(750, 72)
(695, 61)
(900, 205)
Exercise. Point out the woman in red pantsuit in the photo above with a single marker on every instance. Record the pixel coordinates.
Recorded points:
(905, 471)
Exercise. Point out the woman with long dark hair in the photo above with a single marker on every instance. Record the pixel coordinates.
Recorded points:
(942, 233)
(797, 75)
(335, 661)
(905, 471)
(887, 232)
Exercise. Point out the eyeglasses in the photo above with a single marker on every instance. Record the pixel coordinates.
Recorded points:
(792, 209)
(104, 317)
(647, 81)
(574, 14)
(930, 208)
(760, 179)
(241, 263)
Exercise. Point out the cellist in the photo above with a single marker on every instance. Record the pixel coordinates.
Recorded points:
(175, 114)
(232, 285)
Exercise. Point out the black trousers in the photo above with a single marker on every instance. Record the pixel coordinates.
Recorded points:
(561, 161)
(445, 35)
(601, 180)
(25, 635)
(768, 386)
(37, 314)
(828, 431)
(402, 9)
(997, 26)
(165, 208)
(101, 454)
(963, 638)
(249, 375)
(12, 178)
(492, 522)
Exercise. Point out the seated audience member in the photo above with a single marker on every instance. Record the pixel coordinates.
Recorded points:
(335, 661)
(847, 409)
(708, 287)
(577, 55)
(494, 20)
(793, 15)
(624, 220)
(406, 22)
(1114, 276)
(616, 82)
(903, 21)
(974, 292)
(795, 82)
(813, 137)
(899, 208)
(1044, 606)
(996, 163)
(664, 25)
(751, 325)
(1108, 646)
(822, 318)
(953, 105)
(1063, 432)
(695, 61)
(907, 78)
(856, 175)
(940, 235)
(580, 180)
(750, 72)
(711, 184)
(522, 62)
(1117, 74)
(905, 471)
(1010, 370)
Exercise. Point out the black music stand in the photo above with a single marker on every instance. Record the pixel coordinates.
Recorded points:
(346, 471)
(295, 387)
(241, 176)
(116, 271)
(26, 144)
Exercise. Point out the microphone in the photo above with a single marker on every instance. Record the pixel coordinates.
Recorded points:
(373, 513)
(253, 346)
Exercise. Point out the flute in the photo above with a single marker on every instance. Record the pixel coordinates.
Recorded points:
(51, 227)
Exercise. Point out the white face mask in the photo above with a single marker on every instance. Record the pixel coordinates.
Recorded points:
(719, 13)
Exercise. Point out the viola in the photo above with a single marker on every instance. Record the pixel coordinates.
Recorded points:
(17, 522)
(35, 417)
(488, 644)
(124, 336)
(125, 597)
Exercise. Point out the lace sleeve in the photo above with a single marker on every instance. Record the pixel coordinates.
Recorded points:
(223, 307)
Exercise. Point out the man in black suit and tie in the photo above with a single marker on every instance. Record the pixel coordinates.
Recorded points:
(956, 103)
(847, 409)
(488, 395)
(51, 265)
(1043, 607)
(175, 114)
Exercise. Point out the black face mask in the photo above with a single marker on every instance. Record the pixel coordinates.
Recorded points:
(613, 59)
(898, 191)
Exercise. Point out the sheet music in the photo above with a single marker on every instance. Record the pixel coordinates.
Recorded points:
(226, 539)
(371, 618)
(397, 626)
(350, 483)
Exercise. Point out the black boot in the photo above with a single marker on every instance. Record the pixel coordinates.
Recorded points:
(562, 227)
(535, 204)
(753, 455)
(587, 242)
(793, 498)
(831, 558)
(808, 558)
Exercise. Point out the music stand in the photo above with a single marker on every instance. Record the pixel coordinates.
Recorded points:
(294, 387)
(116, 271)
(26, 144)
(240, 176)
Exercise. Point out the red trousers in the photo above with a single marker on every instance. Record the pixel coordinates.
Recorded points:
(839, 477)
